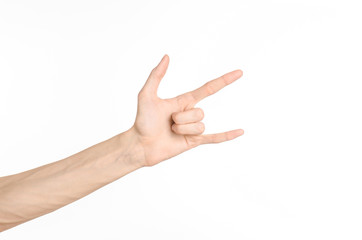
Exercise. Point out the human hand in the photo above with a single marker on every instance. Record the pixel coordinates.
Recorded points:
(168, 127)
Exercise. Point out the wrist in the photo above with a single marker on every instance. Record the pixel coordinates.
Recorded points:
(131, 149)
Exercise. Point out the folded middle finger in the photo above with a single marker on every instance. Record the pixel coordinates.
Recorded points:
(189, 116)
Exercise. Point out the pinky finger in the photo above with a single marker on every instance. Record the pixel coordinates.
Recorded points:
(221, 137)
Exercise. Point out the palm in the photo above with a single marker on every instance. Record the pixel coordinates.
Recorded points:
(155, 117)
(153, 123)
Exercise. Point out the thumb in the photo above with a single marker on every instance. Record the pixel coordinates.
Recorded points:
(156, 75)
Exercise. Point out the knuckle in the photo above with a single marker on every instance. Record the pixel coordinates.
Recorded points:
(180, 101)
(156, 73)
(175, 128)
(141, 94)
(201, 127)
(175, 117)
(200, 113)
(224, 80)
(194, 141)
(185, 101)
(227, 136)
(213, 138)
(209, 88)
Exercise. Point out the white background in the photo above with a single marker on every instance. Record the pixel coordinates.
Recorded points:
(70, 72)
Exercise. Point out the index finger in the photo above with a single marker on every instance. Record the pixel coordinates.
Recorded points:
(215, 85)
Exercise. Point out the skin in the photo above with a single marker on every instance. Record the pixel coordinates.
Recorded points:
(163, 128)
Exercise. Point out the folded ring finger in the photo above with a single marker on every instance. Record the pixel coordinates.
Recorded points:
(189, 129)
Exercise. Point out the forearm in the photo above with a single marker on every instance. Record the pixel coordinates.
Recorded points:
(27, 195)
